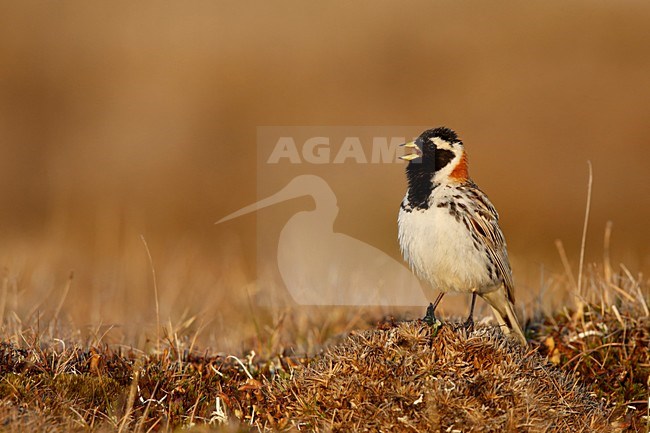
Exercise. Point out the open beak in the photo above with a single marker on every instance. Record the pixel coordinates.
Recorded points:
(411, 156)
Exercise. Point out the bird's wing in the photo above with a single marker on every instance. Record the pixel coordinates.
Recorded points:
(484, 220)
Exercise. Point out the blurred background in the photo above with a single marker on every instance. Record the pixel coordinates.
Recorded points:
(122, 121)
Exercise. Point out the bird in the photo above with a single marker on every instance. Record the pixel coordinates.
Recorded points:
(448, 230)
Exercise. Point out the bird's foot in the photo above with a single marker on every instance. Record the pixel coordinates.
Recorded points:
(469, 324)
(430, 317)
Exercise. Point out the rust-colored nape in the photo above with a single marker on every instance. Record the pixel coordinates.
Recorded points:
(460, 172)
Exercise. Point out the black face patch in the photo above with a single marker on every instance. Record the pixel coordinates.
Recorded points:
(442, 157)
(418, 174)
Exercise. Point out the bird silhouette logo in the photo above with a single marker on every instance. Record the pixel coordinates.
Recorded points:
(322, 267)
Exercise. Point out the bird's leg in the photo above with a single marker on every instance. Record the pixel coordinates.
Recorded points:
(430, 316)
(469, 323)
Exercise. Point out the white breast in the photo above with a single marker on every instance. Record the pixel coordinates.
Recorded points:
(440, 249)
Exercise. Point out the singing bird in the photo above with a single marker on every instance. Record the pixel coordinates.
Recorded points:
(448, 230)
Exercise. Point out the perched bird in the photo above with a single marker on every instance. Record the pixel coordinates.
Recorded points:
(449, 232)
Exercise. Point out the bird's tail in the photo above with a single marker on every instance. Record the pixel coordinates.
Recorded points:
(504, 310)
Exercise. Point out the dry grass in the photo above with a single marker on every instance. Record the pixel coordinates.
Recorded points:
(580, 374)
(608, 346)
(410, 378)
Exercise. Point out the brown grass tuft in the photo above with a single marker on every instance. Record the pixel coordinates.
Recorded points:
(408, 378)
(608, 349)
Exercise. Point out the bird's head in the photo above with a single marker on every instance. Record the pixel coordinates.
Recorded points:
(438, 156)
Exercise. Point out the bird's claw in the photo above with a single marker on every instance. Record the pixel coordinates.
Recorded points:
(469, 324)
(430, 317)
